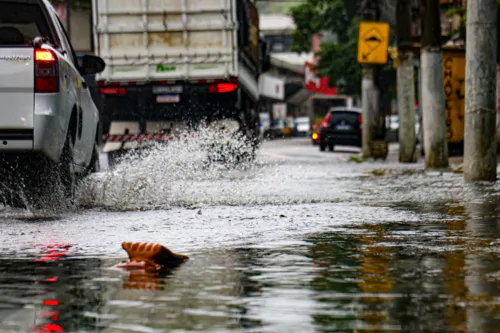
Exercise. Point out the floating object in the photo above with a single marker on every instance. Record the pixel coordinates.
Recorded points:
(149, 257)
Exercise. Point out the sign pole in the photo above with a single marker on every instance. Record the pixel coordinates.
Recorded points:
(372, 51)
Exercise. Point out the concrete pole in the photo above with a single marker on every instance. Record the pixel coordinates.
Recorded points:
(406, 85)
(370, 104)
(480, 91)
(432, 85)
(498, 80)
(370, 94)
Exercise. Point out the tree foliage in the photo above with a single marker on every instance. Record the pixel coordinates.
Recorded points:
(336, 60)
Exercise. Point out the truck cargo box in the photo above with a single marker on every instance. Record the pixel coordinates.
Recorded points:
(168, 39)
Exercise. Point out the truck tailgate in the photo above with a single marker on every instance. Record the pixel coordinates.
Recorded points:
(16, 88)
(166, 39)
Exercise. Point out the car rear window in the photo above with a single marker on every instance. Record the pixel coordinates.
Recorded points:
(20, 23)
(350, 117)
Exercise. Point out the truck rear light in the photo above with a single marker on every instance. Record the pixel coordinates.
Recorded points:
(46, 71)
(326, 120)
(222, 87)
(113, 91)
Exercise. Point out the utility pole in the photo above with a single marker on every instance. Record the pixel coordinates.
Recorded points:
(480, 91)
(432, 85)
(373, 118)
(498, 81)
(406, 86)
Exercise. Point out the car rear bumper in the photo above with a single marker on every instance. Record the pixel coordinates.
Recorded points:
(46, 139)
(342, 139)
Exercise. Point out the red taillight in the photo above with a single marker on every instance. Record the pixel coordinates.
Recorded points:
(46, 72)
(44, 55)
(222, 87)
(113, 91)
(325, 121)
(360, 121)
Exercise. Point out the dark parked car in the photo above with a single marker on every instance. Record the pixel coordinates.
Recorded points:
(341, 126)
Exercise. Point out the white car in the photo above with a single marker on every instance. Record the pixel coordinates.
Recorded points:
(49, 124)
(392, 127)
(303, 125)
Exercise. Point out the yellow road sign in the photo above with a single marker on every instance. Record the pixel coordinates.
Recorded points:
(373, 41)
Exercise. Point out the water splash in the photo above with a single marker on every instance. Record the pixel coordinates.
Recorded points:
(172, 174)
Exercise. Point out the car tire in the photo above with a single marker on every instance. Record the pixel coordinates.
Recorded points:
(331, 147)
(95, 165)
(322, 146)
(67, 169)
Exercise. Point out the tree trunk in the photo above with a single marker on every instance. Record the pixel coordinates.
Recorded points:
(406, 89)
(433, 105)
(480, 91)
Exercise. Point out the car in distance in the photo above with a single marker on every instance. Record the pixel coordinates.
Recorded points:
(302, 126)
(341, 126)
(49, 124)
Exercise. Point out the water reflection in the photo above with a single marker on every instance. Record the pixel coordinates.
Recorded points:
(420, 276)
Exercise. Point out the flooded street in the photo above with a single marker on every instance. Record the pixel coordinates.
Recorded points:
(299, 241)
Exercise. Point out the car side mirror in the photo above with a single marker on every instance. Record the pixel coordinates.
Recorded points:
(92, 65)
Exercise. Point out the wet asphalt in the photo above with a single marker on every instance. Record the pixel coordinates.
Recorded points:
(298, 241)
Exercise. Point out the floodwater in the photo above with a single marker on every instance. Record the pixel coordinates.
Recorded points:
(299, 241)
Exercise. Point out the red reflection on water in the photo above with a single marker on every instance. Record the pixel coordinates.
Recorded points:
(52, 279)
(53, 315)
(51, 302)
(49, 328)
(54, 252)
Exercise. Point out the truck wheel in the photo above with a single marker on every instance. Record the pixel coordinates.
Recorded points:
(331, 147)
(322, 146)
(67, 169)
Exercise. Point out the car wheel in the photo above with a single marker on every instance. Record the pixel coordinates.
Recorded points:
(322, 146)
(67, 169)
(95, 165)
(331, 147)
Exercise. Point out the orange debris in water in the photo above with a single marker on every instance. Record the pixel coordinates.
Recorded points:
(149, 256)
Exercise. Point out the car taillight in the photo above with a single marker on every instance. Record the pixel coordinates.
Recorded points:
(360, 121)
(46, 71)
(325, 121)
(120, 91)
(222, 87)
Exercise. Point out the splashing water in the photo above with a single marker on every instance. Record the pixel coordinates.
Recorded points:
(173, 174)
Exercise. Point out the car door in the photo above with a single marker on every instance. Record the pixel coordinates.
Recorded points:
(75, 83)
(87, 113)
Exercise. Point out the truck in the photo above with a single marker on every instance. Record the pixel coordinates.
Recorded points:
(172, 65)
